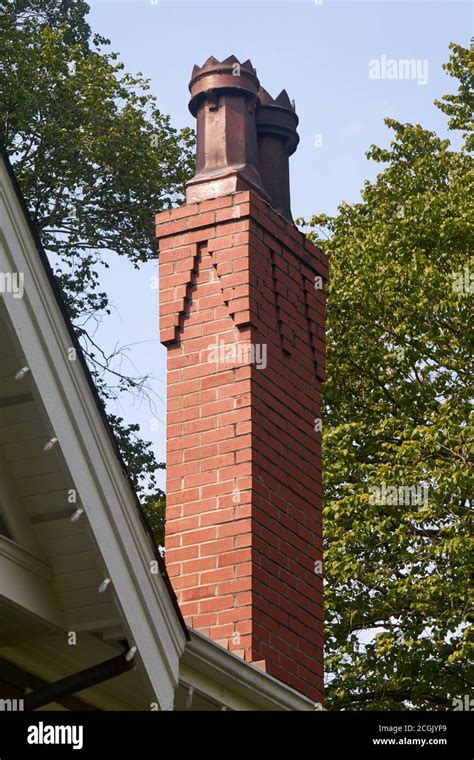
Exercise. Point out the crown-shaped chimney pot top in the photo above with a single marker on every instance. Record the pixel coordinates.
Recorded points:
(220, 76)
(282, 100)
(244, 136)
(276, 123)
(223, 99)
(278, 117)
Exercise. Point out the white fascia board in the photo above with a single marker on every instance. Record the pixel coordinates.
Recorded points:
(98, 477)
(234, 683)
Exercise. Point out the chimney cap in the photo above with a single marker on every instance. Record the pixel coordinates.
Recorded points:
(282, 100)
(277, 117)
(221, 76)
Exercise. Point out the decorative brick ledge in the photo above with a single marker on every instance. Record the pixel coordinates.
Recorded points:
(244, 489)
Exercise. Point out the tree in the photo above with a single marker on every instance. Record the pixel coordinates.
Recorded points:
(94, 157)
(398, 423)
(155, 511)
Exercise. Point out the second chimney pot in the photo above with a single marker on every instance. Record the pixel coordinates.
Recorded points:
(277, 140)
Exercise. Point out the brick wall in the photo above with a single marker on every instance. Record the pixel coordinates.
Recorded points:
(242, 316)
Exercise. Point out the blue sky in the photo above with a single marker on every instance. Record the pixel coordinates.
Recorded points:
(320, 53)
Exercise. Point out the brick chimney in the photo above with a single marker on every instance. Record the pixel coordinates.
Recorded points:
(242, 316)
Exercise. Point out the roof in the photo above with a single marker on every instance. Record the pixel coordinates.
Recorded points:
(99, 404)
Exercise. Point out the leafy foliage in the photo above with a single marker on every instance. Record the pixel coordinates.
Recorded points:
(459, 107)
(95, 158)
(154, 507)
(398, 412)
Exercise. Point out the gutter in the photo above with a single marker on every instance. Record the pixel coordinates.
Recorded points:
(260, 690)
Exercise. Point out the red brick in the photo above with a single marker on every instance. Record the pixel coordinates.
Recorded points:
(215, 203)
(198, 565)
(234, 614)
(232, 426)
(200, 592)
(216, 604)
(186, 582)
(199, 537)
(188, 552)
(217, 547)
(221, 631)
(179, 526)
(222, 574)
(235, 528)
(215, 518)
(227, 557)
(205, 620)
(234, 586)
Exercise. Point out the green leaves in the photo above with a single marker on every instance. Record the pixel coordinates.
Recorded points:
(459, 107)
(93, 154)
(95, 158)
(154, 507)
(398, 416)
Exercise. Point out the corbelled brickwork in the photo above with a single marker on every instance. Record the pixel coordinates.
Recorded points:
(242, 315)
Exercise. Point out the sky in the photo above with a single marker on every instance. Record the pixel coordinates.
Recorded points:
(331, 56)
